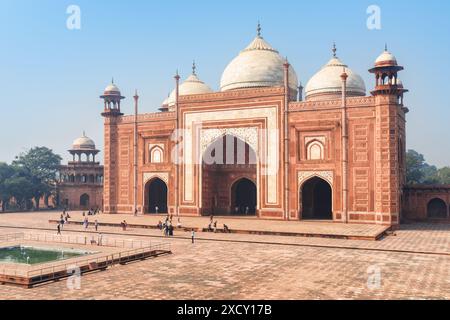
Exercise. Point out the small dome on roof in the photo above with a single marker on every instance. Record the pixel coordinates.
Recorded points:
(327, 83)
(83, 143)
(192, 85)
(386, 59)
(112, 89)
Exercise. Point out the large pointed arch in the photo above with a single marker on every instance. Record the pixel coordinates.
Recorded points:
(225, 159)
(316, 199)
(156, 196)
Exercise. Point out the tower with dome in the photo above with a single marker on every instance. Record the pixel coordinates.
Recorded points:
(257, 147)
(80, 185)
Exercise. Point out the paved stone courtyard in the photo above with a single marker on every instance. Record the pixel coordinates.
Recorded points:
(413, 264)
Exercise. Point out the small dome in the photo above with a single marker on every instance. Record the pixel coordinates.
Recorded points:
(258, 65)
(83, 143)
(192, 85)
(327, 83)
(386, 59)
(112, 89)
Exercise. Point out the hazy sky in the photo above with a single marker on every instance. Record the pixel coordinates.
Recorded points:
(51, 77)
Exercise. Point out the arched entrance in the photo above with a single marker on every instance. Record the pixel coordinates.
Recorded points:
(84, 201)
(437, 209)
(243, 197)
(225, 159)
(156, 196)
(316, 199)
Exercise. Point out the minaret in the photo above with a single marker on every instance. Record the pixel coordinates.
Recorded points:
(177, 140)
(287, 95)
(112, 100)
(390, 167)
(135, 159)
(344, 144)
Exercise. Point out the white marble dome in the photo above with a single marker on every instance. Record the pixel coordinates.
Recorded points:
(328, 82)
(192, 85)
(83, 143)
(112, 89)
(386, 58)
(258, 65)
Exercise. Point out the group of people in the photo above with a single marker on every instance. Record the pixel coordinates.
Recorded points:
(92, 212)
(64, 218)
(167, 227)
(212, 226)
(86, 224)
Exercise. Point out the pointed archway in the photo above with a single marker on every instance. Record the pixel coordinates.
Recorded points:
(316, 200)
(156, 196)
(225, 159)
(84, 201)
(437, 209)
(243, 197)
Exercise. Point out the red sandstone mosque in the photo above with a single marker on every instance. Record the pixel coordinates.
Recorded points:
(257, 147)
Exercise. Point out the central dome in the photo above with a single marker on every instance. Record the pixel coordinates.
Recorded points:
(258, 65)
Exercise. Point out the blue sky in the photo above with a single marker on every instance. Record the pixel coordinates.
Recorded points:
(51, 77)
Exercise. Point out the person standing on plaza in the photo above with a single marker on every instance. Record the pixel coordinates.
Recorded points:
(96, 225)
(58, 228)
(193, 235)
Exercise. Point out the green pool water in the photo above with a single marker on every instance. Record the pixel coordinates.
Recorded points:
(34, 255)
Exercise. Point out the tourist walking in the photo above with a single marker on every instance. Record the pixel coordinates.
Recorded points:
(86, 223)
(171, 230)
(100, 238)
(58, 228)
(96, 225)
(193, 235)
(215, 226)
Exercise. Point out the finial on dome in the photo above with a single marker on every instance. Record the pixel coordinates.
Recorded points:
(194, 68)
(385, 47)
(334, 49)
(84, 133)
(258, 29)
(112, 80)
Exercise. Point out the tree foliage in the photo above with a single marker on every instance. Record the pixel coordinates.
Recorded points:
(32, 175)
(418, 171)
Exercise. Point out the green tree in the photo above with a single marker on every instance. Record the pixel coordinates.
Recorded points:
(40, 166)
(6, 172)
(430, 174)
(21, 189)
(415, 163)
(444, 175)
